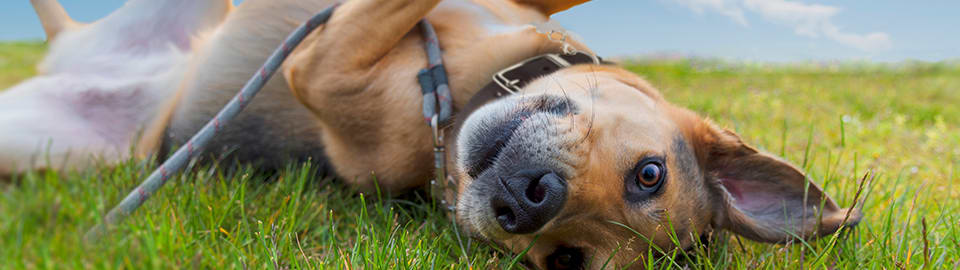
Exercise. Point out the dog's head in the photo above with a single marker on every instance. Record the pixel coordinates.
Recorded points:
(591, 163)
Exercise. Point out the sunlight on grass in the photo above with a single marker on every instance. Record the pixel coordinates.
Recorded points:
(17, 61)
(838, 121)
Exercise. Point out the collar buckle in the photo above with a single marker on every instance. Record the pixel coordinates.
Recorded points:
(513, 78)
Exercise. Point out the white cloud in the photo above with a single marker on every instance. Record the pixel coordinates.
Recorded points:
(725, 7)
(809, 20)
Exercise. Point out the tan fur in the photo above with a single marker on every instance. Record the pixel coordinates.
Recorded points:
(625, 119)
(594, 200)
(351, 88)
(224, 64)
(369, 116)
(53, 17)
(152, 136)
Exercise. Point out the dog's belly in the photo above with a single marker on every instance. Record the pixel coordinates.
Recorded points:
(99, 84)
(274, 129)
(67, 121)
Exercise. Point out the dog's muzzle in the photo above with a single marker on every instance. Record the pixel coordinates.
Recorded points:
(516, 152)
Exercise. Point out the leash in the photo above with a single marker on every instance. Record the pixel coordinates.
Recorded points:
(433, 80)
(436, 92)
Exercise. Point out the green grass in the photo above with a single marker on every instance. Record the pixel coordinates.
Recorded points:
(838, 121)
(17, 61)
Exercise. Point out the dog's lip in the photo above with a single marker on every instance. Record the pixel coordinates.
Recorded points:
(485, 223)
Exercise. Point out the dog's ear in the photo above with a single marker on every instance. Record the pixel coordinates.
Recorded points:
(762, 197)
(52, 16)
(549, 7)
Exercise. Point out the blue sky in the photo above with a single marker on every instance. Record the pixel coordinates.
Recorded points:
(760, 30)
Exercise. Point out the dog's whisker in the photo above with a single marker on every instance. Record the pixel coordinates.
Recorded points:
(566, 98)
(591, 91)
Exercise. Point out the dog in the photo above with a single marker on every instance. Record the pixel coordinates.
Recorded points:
(581, 164)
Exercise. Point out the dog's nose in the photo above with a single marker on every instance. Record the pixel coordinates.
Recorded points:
(526, 201)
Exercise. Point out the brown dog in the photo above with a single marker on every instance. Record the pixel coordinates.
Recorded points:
(589, 160)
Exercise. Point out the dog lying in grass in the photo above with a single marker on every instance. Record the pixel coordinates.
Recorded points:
(582, 164)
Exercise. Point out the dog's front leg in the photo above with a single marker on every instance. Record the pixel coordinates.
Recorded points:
(346, 74)
(356, 37)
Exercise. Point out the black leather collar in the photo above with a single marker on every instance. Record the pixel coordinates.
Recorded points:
(510, 80)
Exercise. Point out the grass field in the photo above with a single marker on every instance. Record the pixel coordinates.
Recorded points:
(838, 121)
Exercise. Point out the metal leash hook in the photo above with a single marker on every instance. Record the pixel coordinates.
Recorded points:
(561, 36)
(437, 186)
(437, 112)
(557, 33)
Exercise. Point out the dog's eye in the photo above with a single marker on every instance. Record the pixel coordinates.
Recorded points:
(565, 258)
(650, 174)
(645, 180)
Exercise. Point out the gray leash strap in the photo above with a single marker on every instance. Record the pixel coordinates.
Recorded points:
(179, 158)
(437, 111)
(437, 85)
(433, 79)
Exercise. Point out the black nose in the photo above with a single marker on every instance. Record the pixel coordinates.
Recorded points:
(527, 200)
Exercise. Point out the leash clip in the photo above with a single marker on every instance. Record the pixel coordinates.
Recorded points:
(437, 131)
(558, 34)
(555, 32)
(565, 48)
(441, 180)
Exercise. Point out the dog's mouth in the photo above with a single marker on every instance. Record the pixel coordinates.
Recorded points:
(513, 150)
